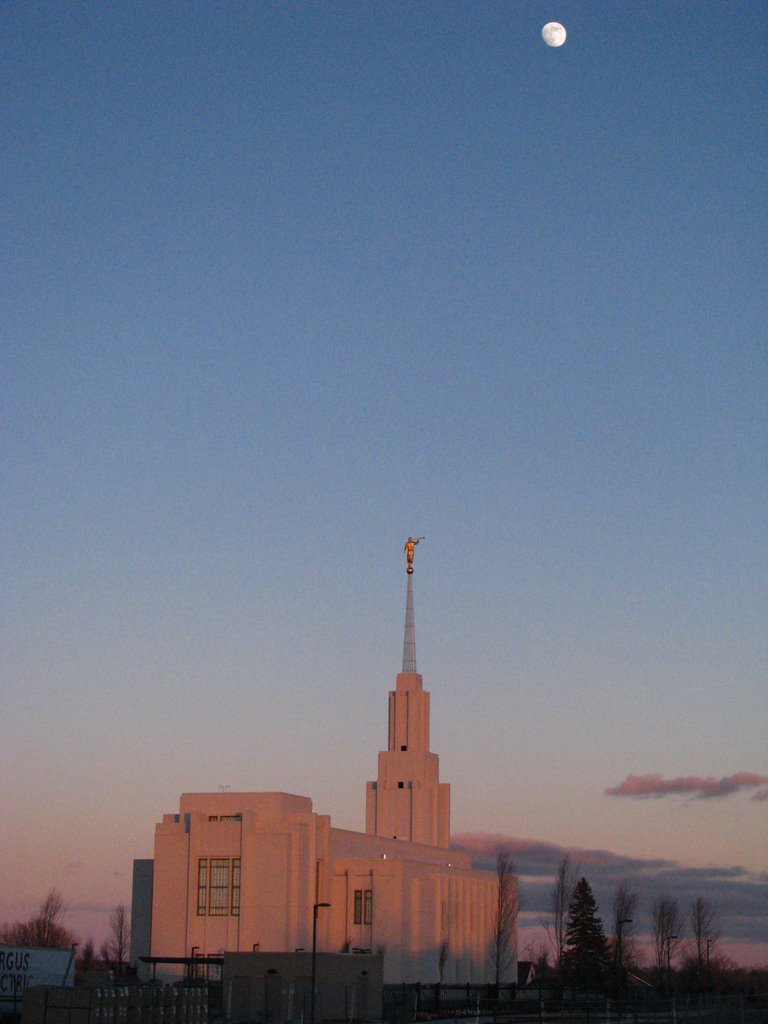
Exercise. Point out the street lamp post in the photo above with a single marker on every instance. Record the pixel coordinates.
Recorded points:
(315, 909)
(669, 961)
(620, 949)
(709, 970)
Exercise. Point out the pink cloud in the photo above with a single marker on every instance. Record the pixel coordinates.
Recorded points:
(693, 785)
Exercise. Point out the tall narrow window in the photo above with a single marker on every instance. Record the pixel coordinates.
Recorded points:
(358, 906)
(368, 907)
(235, 886)
(202, 885)
(218, 899)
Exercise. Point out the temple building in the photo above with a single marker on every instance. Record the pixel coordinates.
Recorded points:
(236, 872)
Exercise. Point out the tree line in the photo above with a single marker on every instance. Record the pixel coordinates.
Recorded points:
(685, 953)
(47, 929)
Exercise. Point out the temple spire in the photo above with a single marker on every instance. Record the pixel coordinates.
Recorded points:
(408, 800)
(409, 639)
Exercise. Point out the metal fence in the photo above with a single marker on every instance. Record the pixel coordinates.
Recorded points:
(130, 1004)
(404, 1004)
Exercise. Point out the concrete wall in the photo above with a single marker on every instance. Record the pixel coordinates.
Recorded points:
(278, 987)
(422, 896)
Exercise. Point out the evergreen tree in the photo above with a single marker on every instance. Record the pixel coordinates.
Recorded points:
(586, 955)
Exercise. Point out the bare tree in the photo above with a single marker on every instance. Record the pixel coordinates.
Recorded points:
(704, 935)
(504, 937)
(49, 917)
(45, 929)
(87, 955)
(115, 949)
(667, 926)
(625, 903)
(565, 880)
(538, 953)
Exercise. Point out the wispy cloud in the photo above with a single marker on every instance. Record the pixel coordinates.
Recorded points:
(695, 786)
(94, 907)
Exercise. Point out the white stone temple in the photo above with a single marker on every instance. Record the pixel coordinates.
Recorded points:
(238, 872)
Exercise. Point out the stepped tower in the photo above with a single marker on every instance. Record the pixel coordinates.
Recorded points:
(408, 801)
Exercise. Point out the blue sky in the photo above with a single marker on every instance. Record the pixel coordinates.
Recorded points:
(285, 283)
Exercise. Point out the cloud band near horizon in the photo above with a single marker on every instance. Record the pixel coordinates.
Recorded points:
(740, 896)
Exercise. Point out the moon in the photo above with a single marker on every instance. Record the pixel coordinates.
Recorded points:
(553, 33)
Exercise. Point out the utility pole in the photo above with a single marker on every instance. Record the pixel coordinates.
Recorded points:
(709, 970)
(620, 950)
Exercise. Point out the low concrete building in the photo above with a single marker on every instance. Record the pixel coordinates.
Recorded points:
(278, 986)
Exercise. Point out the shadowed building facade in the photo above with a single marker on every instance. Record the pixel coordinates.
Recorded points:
(234, 872)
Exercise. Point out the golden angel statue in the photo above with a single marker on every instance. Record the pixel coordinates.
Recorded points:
(409, 547)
